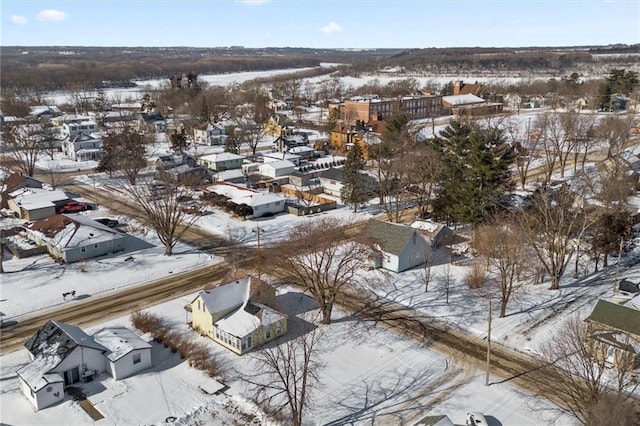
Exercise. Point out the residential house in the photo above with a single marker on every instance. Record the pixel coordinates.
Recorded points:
(284, 143)
(399, 247)
(231, 176)
(276, 169)
(222, 161)
(304, 153)
(71, 129)
(268, 157)
(35, 203)
(239, 315)
(331, 181)
(262, 203)
(180, 167)
(209, 134)
(45, 112)
(436, 233)
(83, 147)
(63, 354)
(74, 237)
(619, 327)
(279, 125)
(14, 182)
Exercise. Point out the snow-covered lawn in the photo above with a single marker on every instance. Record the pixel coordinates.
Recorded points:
(369, 375)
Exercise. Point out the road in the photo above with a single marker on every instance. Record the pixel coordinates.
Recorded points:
(506, 364)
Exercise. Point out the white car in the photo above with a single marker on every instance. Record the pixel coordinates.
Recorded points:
(476, 419)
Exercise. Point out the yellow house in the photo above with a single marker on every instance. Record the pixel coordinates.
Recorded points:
(279, 125)
(238, 315)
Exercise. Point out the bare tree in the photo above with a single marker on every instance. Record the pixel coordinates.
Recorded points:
(286, 374)
(316, 257)
(25, 144)
(549, 227)
(576, 373)
(253, 116)
(615, 130)
(500, 242)
(124, 152)
(424, 169)
(162, 205)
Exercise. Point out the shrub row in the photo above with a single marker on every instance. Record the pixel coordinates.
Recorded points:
(197, 354)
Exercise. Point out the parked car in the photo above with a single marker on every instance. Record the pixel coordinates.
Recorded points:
(73, 207)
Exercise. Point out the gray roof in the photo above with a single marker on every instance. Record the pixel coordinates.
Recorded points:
(391, 237)
(67, 335)
(332, 173)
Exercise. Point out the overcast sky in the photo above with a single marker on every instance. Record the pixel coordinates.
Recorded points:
(320, 23)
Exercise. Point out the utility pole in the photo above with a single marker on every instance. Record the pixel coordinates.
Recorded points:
(486, 382)
(257, 232)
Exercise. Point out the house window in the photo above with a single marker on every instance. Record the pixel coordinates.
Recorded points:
(109, 243)
(248, 342)
(95, 246)
(278, 328)
(198, 304)
(83, 249)
(136, 359)
(268, 333)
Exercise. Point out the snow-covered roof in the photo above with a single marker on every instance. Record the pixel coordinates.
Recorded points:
(78, 335)
(248, 318)
(278, 164)
(226, 296)
(273, 157)
(222, 156)
(229, 174)
(463, 99)
(37, 198)
(257, 199)
(36, 373)
(426, 225)
(119, 341)
(301, 149)
(72, 230)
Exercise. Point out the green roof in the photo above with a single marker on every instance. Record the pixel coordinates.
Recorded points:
(616, 316)
(391, 237)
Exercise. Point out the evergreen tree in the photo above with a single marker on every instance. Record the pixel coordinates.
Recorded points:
(618, 81)
(354, 185)
(123, 152)
(179, 140)
(476, 164)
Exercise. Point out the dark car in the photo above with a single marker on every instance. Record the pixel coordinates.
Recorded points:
(73, 207)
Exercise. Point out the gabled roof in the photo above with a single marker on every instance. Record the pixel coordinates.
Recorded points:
(66, 335)
(14, 180)
(278, 165)
(616, 316)
(233, 294)
(390, 237)
(119, 341)
(248, 318)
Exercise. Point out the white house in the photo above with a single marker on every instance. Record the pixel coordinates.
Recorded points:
(74, 128)
(222, 161)
(399, 247)
(209, 134)
(331, 181)
(270, 157)
(63, 354)
(262, 203)
(275, 169)
(83, 147)
(74, 237)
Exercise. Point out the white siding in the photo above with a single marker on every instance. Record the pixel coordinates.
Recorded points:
(92, 359)
(124, 367)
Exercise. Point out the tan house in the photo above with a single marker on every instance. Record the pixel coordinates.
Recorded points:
(239, 315)
(619, 327)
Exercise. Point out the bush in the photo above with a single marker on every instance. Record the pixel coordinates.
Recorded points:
(146, 322)
(476, 277)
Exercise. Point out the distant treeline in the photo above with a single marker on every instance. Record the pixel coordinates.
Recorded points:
(78, 68)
